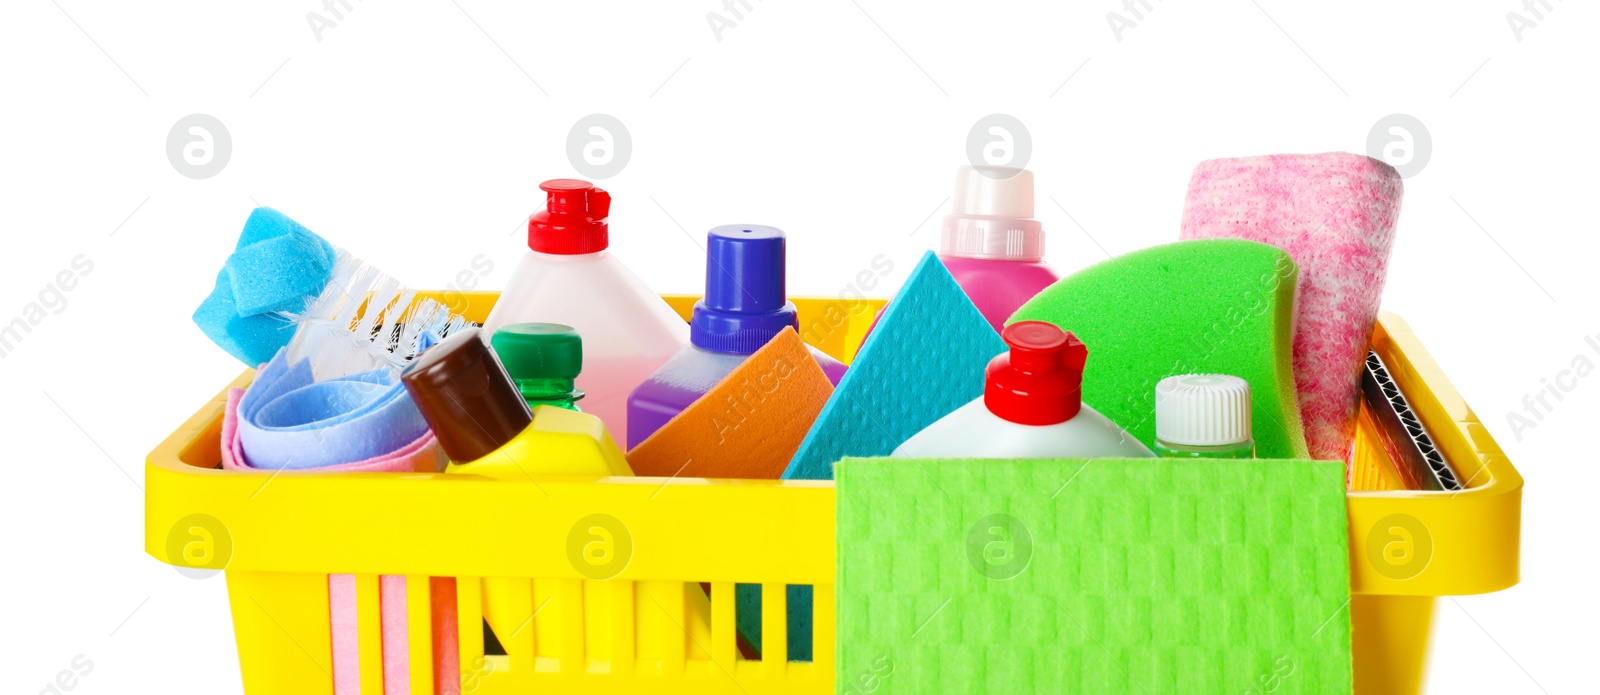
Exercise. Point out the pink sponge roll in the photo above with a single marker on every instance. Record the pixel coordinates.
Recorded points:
(1335, 215)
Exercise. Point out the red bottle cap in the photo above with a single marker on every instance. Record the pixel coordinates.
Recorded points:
(1040, 381)
(573, 220)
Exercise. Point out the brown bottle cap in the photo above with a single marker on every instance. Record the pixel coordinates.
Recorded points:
(466, 396)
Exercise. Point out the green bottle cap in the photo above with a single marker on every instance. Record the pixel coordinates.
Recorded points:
(539, 350)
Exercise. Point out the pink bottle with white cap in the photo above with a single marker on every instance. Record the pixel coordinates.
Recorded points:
(992, 244)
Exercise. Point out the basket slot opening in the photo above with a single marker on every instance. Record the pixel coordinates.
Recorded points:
(491, 643)
(776, 619)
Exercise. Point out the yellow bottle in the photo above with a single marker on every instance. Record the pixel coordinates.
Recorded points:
(485, 427)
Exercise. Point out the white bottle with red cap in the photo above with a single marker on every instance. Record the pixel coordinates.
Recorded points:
(1031, 407)
(569, 277)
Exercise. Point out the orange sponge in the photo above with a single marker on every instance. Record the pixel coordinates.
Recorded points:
(748, 425)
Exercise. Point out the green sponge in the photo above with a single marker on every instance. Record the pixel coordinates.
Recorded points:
(1212, 306)
(1106, 576)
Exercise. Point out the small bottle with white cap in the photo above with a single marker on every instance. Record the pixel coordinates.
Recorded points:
(991, 243)
(1203, 416)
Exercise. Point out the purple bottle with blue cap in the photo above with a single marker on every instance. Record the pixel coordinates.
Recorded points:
(745, 305)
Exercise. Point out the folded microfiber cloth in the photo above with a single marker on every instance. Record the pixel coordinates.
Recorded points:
(1335, 214)
(422, 455)
(1216, 306)
(923, 359)
(289, 421)
(1106, 576)
(277, 267)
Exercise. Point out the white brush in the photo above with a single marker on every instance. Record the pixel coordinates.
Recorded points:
(365, 320)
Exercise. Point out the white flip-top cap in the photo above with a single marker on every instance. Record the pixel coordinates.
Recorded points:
(992, 216)
(1203, 410)
(993, 192)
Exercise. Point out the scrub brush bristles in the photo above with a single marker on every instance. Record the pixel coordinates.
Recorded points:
(365, 320)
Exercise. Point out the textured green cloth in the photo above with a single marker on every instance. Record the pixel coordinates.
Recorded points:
(1105, 576)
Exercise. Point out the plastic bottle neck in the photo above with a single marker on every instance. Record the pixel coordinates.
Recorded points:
(1237, 450)
(992, 238)
(569, 257)
(561, 393)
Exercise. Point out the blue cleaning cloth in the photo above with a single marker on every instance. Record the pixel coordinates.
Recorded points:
(250, 339)
(427, 339)
(277, 266)
(924, 359)
(289, 421)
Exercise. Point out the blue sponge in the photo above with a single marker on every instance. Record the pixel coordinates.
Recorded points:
(924, 359)
(251, 339)
(266, 223)
(277, 265)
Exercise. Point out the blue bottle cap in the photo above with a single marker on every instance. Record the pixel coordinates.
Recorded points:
(746, 303)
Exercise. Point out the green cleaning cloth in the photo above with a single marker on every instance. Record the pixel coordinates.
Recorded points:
(1105, 576)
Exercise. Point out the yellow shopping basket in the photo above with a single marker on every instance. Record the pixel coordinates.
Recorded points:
(280, 536)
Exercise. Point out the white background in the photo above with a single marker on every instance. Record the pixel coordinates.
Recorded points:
(415, 132)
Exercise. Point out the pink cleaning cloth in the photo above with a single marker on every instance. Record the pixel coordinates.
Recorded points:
(1335, 214)
(346, 634)
(420, 456)
(396, 640)
(346, 640)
